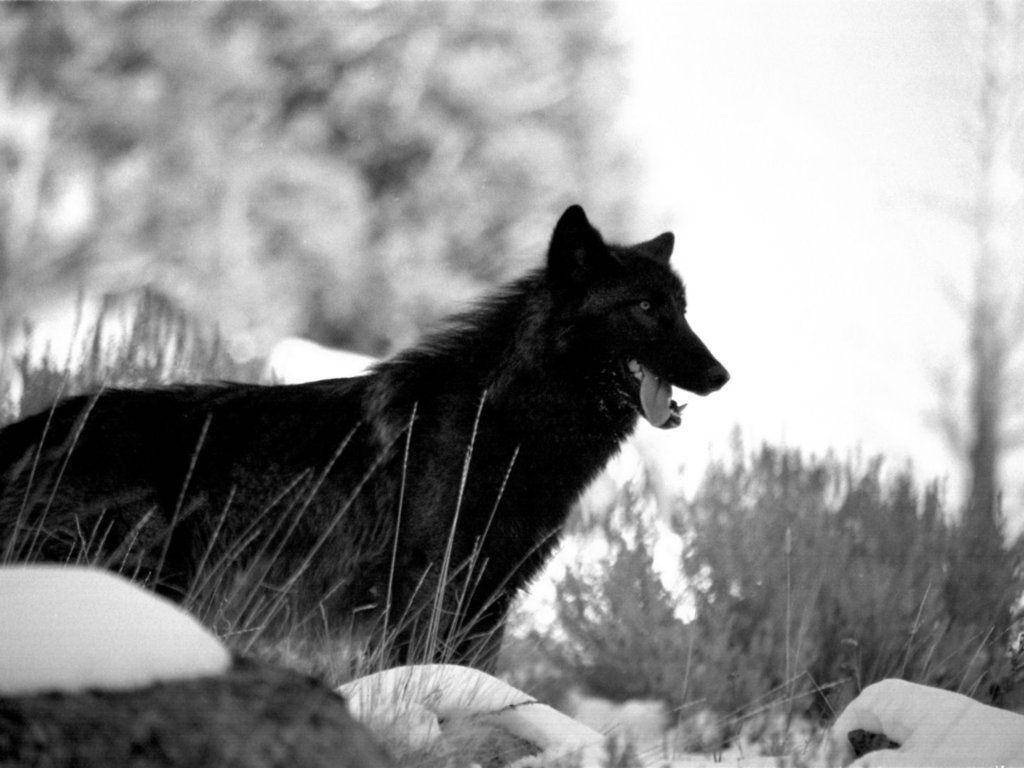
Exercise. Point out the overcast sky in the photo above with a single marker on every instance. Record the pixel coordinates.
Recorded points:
(791, 148)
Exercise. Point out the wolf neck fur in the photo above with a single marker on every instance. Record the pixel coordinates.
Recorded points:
(493, 346)
(507, 346)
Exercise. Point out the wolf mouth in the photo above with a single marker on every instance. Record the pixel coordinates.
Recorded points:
(655, 393)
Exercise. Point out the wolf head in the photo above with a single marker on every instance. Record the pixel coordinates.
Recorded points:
(628, 307)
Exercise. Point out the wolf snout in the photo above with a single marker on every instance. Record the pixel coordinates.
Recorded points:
(717, 377)
(703, 379)
(710, 379)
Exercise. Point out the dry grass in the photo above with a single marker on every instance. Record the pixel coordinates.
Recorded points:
(243, 605)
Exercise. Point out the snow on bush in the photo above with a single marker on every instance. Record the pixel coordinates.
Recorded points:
(71, 628)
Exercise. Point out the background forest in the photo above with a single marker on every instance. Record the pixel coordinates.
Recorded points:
(240, 172)
(344, 171)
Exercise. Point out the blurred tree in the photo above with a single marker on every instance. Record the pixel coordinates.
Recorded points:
(983, 592)
(351, 170)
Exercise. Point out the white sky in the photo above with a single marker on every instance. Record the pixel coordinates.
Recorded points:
(790, 146)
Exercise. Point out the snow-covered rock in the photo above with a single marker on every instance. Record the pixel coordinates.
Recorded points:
(96, 672)
(933, 728)
(406, 697)
(71, 628)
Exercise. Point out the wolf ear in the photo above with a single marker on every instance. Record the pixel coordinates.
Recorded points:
(576, 249)
(660, 248)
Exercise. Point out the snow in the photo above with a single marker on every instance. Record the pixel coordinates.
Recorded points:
(294, 360)
(420, 701)
(71, 628)
(420, 697)
(933, 727)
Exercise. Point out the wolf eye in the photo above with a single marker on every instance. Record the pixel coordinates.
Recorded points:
(645, 305)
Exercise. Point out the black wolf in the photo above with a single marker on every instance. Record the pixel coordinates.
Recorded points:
(441, 478)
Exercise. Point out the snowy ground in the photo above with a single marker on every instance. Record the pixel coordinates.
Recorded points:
(932, 727)
(70, 628)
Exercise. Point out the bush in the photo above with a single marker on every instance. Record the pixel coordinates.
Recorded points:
(624, 639)
(810, 578)
(820, 573)
(796, 563)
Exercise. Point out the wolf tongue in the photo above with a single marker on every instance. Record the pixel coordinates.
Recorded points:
(656, 399)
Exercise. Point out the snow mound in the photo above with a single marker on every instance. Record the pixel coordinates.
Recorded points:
(421, 697)
(72, 628)
(933, 727)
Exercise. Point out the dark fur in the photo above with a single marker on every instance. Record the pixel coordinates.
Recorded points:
(547, 354)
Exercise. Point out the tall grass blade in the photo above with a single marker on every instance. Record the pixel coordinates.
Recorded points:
(435, 614)
(200, 568)
(328, 531)
(19, 521)
(176, 516)
(398, 521)
(79, 427)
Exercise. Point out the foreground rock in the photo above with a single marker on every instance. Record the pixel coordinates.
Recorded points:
(96, 672)
(253, 716)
